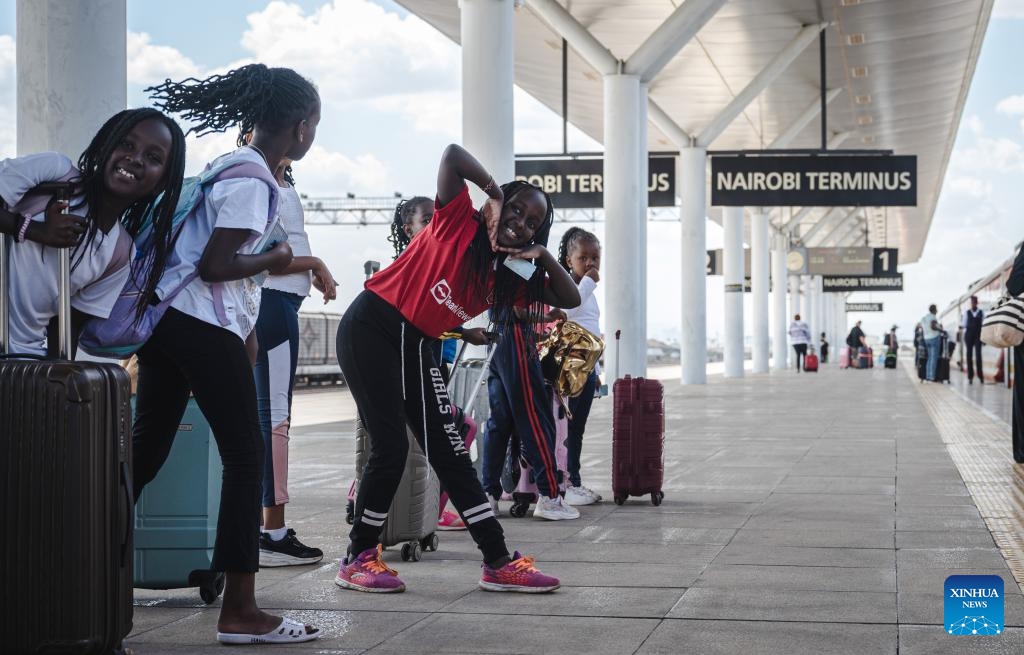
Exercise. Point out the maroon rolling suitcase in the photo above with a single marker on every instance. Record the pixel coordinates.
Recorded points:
(66, 556)
(638, 438)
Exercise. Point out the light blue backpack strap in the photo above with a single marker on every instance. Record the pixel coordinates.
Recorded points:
(241, 170)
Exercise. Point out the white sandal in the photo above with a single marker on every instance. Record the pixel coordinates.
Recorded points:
(289, 632)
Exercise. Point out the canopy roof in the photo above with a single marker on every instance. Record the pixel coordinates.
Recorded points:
(904, 67)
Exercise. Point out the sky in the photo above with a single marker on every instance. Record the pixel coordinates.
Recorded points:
(390, 86)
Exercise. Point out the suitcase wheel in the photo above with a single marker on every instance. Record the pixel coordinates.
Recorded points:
(657, 497)
(518, 510)
(619, 500)
(211, 589)
(429, 543)
(411, 551)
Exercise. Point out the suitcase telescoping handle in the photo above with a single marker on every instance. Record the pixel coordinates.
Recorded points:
(62, 191)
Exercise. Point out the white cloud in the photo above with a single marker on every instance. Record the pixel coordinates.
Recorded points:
(1008, 9)
(354, 49)
(1011, 106)
(975, 125)
(8, 88)
(325, 173)
(151, 64)
(970, 186)
(438, 112)
(999, 155)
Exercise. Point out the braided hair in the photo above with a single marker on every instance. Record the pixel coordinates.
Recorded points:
(507, 284)
(159, 207)
(404, 212)
(274, 99)
(573, 237)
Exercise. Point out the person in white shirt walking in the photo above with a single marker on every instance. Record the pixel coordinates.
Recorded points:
(931, 331)
(799, 336)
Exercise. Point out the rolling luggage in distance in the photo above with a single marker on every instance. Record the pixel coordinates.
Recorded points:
(890, 360)
(67, 496)
(638, 437)
(942, 366)
(811, 362)
(844, 357)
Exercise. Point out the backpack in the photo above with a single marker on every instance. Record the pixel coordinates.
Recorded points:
(121, 334)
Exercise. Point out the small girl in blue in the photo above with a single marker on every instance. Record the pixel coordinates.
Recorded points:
(580, 254)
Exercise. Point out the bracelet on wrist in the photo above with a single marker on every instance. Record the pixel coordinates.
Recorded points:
(26, 220)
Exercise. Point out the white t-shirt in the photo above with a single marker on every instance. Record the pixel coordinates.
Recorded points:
(588, 313)
(799, 333)
(34, 268)
(240, 204)
(926, 324)
(289, 212)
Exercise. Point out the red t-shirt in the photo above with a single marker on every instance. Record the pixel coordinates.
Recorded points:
(428, 283)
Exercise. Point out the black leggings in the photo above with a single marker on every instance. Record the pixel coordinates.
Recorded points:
(186, 354)
(801, 352)
(376, 346)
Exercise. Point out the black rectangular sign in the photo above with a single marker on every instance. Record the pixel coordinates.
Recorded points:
(837, 283)
(863, 307)
(579, 183)
(852, 261)
(814, 181)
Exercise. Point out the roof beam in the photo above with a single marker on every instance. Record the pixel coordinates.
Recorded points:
(601, 59)
(817, 228)
(796, 218)
(830, 213)
(805, 117)
(582, 41)
(837, 139)
(775, 67)
(671, 36)
(836, 229)
(855, 227)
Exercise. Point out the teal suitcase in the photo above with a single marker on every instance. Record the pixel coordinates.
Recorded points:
(176, 515)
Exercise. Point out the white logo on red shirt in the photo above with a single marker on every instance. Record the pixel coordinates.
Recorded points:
(441, 292)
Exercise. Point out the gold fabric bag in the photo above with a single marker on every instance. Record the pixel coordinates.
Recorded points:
(568, 355)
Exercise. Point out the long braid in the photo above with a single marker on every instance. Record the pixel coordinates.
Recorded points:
(273, 98)
(160, 206)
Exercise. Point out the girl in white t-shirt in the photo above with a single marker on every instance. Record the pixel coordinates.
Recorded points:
(277, 331)
(579, 253)
(135, 157)
(199, 345)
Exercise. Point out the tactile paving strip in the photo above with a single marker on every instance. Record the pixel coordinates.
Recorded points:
(982, 451)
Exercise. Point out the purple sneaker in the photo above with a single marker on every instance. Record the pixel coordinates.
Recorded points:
(368, 572)
(518, 575)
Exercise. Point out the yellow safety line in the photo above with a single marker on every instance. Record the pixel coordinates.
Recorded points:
(982, 450)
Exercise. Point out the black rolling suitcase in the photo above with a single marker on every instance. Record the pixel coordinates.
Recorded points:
(942, 366)
(66, 554)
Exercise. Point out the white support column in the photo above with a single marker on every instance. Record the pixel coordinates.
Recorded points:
(693, 246)
(622, 232)
(780, 348)
(811, 301)
(795, 284)
(732, 265)
(641, 217)
(488, 74)
(71, 72)
(759, 283)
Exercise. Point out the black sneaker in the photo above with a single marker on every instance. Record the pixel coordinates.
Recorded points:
(287, 552)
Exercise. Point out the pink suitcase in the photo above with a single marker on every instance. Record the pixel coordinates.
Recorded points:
(844, 357)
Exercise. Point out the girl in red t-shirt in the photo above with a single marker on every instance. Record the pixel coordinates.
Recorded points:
(452, 271)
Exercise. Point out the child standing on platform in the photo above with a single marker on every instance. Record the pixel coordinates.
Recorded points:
(277, 333)
(452, 272)
(199, 345)
(580, 254)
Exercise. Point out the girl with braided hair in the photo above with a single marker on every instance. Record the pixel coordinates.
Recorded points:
(199, 346)
(452, 271)
(131, 170)
(580, 254)
(411, 216)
